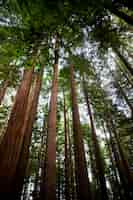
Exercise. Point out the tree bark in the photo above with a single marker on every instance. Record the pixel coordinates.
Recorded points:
(3, 90)
(10, 147)
(82, 180)
(27, 132)
(48, 187)
(99, 161)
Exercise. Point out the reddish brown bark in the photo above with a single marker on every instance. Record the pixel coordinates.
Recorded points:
(27, 132)
(48, 188)
(99, 161)
(10, 147)
(3, 90)
(82, 180)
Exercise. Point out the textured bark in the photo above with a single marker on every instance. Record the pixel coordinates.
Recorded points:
(3, 90)
(48, 188)
(82, 180)
(99, 161)
(10, 147)
(27, 132)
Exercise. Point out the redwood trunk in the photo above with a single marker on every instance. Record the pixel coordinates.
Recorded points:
(10, 147)
(3, 90)
(99, 161)
(27, 132)
(48, 188)
(82, 180)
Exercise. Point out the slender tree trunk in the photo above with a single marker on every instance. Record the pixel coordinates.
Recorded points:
(125, 74)
(123, 59)
(10, 147)
(116, 183)
(59, 180)
(67, 167)
(123, 177)
(125, 97)
(82, 180)
(72, 178)
(39, 160)
(124, 161)
(123, 94)
(3, 90)
(27, 132)
(48, 187)
(99, 161)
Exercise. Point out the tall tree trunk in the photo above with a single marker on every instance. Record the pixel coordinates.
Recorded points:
(48, 187)
(39, 160)
(125, 74)
(116, 183)
(123, 59)
(82, 180)
(124, 161)
(72, 178)
(10, 147)
(67, 167)
(99, 161)
(3, 89)
(59, 179)
(125, 97)
(27, 132)
(123, 177)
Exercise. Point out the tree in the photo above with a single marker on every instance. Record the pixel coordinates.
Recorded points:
(48, 188)
(13, 137)
(82, 180)
(99, 161)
